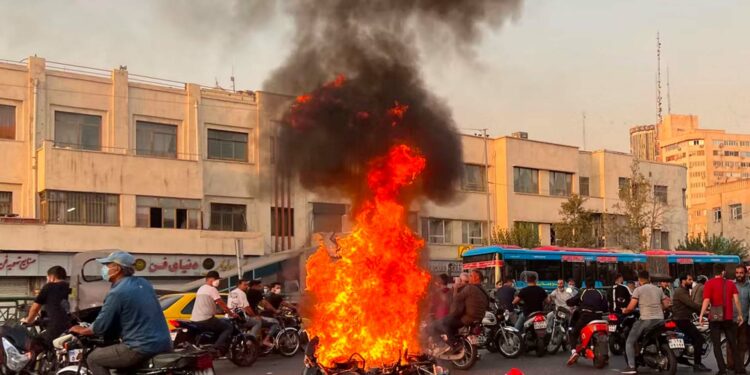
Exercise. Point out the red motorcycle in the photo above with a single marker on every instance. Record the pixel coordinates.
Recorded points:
(594, 344)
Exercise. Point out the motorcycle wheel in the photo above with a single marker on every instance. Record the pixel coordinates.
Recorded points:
(541, 347)
(671, 359)
(287, 342)
(616, 345)
(244, 352)
(510, 344)
(724, 352)
(470, 357)
(555, 342)
(601, 352)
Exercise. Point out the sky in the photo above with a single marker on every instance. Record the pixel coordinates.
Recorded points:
(539, 73)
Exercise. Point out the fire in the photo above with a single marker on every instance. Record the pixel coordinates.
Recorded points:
(397, 113)
(365, 301)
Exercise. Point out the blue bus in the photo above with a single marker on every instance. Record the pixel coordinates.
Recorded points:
(552, 263)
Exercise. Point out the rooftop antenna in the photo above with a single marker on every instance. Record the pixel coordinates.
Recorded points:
(232, 79)
(583, 126)
(658, 94)
(669, 94)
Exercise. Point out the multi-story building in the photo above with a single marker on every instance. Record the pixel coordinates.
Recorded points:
(643, 142)
(711, 157)
(728, 207)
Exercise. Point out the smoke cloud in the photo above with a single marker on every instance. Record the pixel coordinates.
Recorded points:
(329, 140)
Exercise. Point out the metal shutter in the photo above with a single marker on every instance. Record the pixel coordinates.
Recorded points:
(14, 287)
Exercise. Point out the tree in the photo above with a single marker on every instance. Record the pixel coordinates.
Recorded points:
(716, 244)
(638, 213)
(575, 230)
(521, 234)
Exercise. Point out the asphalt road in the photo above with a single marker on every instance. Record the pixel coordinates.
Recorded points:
(489, 364)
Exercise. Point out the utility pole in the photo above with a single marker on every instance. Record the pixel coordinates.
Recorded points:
(487, 178)
(658, 95)
(669, 94)
(583, 126)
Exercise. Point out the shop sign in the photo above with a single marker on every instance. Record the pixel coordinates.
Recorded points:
(13, 264)
(606, 259)
(573, 258)
(484, 264)
(449, 268)
(173, 265)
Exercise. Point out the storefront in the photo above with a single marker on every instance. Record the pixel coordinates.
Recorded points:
(23, 273)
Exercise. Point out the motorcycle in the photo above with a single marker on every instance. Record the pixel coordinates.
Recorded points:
(619, 327)
(594, 343)
(287, 340)
(688, 354)
(72, 351)
(355, 365)
(557, 331)
(463, 359)
(502, 336)
(658, 346)
(19, 342)
(243, 348)
(534, 333)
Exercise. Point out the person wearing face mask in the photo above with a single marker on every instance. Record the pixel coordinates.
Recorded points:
(273, 301)
(53, 299)
(131, 312)
(683, 308)
(206, 299)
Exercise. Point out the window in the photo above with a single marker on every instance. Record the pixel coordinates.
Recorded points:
(475, 178)
(731, 153)
(155, 139)
(660, 193)
(717, 215)
(224, 145)
(437, 231)
(623, 184)
(282, 221)
(665, 241)
(684, 198)
(525, 180)
(228, 217)
(67, 207)
(6, 202)
(583, 186)
(78, 131)
(155, 212)
(472, 233)
(7, 121)
(560, 183)
(736, 210)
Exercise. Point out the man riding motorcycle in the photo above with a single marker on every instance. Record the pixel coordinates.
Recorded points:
(652, 302)
(238, 300)
(131, 312)
(53, 298)
(620, 295)
(206, 300)
(468, 306)
(591, 305)
(559, 297)
(683, 308)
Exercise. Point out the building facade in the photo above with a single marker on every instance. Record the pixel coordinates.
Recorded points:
(643, 142)
(728, 205)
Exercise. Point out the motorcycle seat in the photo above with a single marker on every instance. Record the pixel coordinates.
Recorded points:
(165, 359)
(598, 322)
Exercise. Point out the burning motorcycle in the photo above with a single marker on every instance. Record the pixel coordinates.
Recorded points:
(243, 348)
(19, 345)
(356, 365)
(657, 347)
(535, 333)
(594, 343)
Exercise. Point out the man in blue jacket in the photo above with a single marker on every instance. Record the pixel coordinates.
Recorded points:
(130, 312)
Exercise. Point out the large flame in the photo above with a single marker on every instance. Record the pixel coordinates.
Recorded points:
(366, 301)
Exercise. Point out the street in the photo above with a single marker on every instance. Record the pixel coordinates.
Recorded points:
(489, 364)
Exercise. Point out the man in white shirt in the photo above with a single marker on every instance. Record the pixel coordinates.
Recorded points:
(206, 300)
(238, 299)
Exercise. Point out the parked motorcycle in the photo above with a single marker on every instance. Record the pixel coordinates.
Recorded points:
(19, 343)
(557, 329)
(506, 338)
(287, 340)
(243, 348)
(73, 350)
(594, 343)
(657, 347)
(534, 333)
(619, 327)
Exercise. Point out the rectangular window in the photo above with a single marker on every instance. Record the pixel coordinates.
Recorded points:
(560, 183)
(155, 139)
(436, 231)
(228, 217)
(78, 131)
(6, 202)
(155, 212)
(583, 186)
(623, 184)
(472, 233)
(525, 180)
(736, 210)
(282, 221)
(660, 193)
(684, 198)
(7, 121)
(717, 215)
(475, 178)
(67, 207)
(225, 145)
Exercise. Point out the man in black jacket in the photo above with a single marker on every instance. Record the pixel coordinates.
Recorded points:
(620, 295)
(683, 308)
(592, 304)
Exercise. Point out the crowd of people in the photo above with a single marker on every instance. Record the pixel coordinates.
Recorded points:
(721, 303)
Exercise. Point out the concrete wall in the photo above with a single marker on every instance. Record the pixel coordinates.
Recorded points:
(723, 196)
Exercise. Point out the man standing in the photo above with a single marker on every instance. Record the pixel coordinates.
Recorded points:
(131, 312)
(720, 292)
(206, 300)
(620, 295)
(533, 297)
(683, 308)
(697, 292)
(743, 288)
(53, 298)
(652, 301)
(504, 296)
(238, 300)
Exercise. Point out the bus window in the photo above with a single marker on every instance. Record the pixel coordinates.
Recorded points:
(704, 269)
(513, 268)
(548, 270)
(575, 271)
(628, 270)
(606, 273)
(682, 269)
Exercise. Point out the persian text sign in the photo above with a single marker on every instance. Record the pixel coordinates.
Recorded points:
(573, 258)
(19, 264)
(484, 264)
(606, 259)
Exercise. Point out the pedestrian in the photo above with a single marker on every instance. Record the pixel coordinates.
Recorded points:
(652, 302)
(441, 297)
(743, 287)
(620, 294)
(720, 293)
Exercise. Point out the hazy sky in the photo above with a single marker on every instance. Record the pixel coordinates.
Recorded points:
(538, 74)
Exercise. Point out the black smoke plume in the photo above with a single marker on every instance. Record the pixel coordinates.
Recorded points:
(373, 44)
